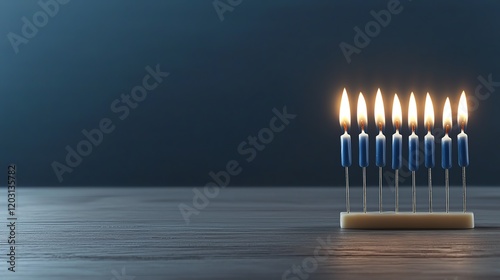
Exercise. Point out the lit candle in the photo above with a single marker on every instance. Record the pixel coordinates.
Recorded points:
(413, 138)
(345, 142)
(363, 142)
(446, 148)
(380, 139)
(345, 139)
(379, 142)
(463, 143)
(413, 147)
(397, 146)
(429, 144)
(462, 139)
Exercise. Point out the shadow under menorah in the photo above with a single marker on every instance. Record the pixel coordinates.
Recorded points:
(405, 218)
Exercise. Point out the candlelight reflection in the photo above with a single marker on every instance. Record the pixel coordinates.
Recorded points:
(403, 253)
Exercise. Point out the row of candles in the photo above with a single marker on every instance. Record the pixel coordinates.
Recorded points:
(397, 143)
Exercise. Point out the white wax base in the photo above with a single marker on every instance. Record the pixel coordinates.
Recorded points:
(406, 220)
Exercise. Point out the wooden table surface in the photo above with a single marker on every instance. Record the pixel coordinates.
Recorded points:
(243, 233)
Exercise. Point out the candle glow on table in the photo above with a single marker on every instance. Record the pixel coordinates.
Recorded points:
(463, 144)
(430, 147)
(397, 146)
(345, 142)
(380, 142)
(446, 144)
(363, 142)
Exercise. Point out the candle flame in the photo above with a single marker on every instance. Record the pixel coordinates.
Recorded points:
(429, 112)
(463, 114)
(379, 110)
(447, 120)
(345, 111)
(397, 114)
(362, 115)
(412, 113)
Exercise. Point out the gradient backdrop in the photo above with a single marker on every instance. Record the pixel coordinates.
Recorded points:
(227, 73)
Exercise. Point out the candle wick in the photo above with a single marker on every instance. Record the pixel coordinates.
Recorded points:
(447, 129)
(413, 127)
(462, 125)
(345, 127)
(380, 126)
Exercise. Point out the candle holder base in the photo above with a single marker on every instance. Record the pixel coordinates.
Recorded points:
(407, 220)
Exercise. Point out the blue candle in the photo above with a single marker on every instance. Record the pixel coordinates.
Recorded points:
(463, 149)
(462, 139)
(397, 138)
(380, 150)
(363, 137)
(345, 143)
(345, 150)
(413, 152)
(397, 150)
(397, 146)
(446, 142)
(345, 139)
(363, 149)
(463, 144)
(446, 152)
(380, 122)
(413, 138)
(429, 145)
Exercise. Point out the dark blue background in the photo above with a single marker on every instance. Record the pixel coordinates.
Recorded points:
(225, 79)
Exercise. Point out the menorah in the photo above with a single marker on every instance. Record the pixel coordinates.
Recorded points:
(396, 219)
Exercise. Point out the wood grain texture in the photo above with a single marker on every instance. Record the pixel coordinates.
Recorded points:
(244, 233)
